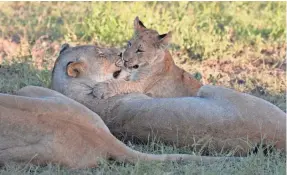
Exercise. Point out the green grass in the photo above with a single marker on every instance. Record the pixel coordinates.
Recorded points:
(241, 45)
(252, 165)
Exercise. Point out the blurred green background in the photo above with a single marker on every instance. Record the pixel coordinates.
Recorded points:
(205, 28)
(241, 45)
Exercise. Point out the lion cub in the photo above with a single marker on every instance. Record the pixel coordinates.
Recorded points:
(153, 71)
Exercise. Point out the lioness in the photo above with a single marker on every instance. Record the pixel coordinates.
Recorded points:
(152, 68)
(42, 126)
(219, 119)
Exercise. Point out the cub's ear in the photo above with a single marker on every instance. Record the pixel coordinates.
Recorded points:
(138, 25)
(164, 39)
(75, 69)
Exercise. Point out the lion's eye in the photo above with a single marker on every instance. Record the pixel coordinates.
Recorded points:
(116, 74)
(135, 66)
(129, 44)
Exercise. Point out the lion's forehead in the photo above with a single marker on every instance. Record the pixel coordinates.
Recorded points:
(89, 50)
(103, 53)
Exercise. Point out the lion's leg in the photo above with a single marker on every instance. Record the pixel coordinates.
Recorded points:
(128, 87)
(29, 154)
(108, 89)
(41, 153)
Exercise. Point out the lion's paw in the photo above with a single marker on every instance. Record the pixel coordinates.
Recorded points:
(102, 91)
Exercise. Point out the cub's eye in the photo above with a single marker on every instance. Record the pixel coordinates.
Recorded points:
(139, 50)
(129, 44)
(116, 74)
(135, 66)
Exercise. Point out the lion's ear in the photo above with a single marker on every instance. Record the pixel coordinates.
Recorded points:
(138, 25)
(164, 39)
(75, 69)
(64, 47)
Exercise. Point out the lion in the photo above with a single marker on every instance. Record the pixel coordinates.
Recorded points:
(152, 68)
(42, 126)
(84, 66)
(219, 119)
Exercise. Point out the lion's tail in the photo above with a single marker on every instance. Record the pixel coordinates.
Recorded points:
(119, 151)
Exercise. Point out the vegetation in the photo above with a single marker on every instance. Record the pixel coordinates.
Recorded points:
(241, 45)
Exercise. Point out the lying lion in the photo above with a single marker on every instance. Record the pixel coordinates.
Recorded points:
(218, 119)
(43, 126)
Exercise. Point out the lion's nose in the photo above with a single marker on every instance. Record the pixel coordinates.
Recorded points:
(125, 63)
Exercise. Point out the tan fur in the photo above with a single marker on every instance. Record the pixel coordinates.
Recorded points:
(156, 69)
(42, 126)
(218, 119)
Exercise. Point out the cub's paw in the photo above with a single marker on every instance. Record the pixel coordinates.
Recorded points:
(102, 91)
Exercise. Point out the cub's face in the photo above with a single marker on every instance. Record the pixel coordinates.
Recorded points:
(145, 49)
(142, 49)
(92, 63)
